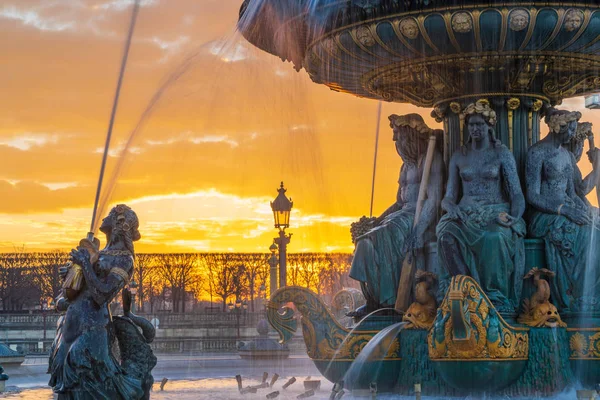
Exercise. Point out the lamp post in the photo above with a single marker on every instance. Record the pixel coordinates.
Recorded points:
(133, 288)
(44, 309)
(281, 207)
(237, 309)
(273, 270)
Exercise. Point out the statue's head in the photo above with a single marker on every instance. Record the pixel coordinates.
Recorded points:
(409, 28)
(121, 224)
(573, 20)
(562, 124)
(577, 143)
(480, 120)
(411, 135)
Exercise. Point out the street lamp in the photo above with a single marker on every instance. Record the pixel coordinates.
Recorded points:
(133, 288)
(282, 206)
(44, 309)
(237, 309)
(273, 270)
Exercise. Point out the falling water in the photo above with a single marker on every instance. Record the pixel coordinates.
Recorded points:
(349, 335)
(591, 270)
(367, 366)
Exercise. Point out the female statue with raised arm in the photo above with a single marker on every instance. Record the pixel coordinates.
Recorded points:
(583, 186)
(82, 365)
(562, 217)
(379, 253)
(481, 234)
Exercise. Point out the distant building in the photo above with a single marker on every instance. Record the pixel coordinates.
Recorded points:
(592, 101)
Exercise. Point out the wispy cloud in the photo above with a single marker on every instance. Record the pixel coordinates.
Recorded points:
(28, 140)
(120, 5)
(34, 19)
(193, 138)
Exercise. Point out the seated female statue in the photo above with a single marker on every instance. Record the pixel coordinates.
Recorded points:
(481, 234)
(380, 252)
(562, 217)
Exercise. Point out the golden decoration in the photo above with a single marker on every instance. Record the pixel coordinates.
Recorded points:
(421, 313)
(455, 107)
(537, 105)
(537, 310)
(512, 104)
(486, 336)
(482, 107)
(557, 121)
(585, 344)
(462, 22)
(519, 19)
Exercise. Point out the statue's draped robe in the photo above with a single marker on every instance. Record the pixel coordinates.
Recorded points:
(494, 255)
(569, 249)
(379, 254)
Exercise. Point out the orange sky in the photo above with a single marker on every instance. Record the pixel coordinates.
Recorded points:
(201, 172)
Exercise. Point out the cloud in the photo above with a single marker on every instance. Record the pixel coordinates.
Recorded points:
(190, 137)
(28, 140)
(120, 5)
(169, 47)
(34, 19)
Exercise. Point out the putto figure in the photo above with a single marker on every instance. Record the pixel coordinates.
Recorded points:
(81, 364)
(562, 217)
(380, 252)
(481, 234)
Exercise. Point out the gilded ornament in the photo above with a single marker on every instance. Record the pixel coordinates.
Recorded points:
(537, 105)
(455, 107)
(513, 103)
(421, 313)
(364, 36)
(409, 28)
(537, 310)
(462, 22)
(585, 344)
(330, 45)
(519, 19)
(481, 333)
(573, 20)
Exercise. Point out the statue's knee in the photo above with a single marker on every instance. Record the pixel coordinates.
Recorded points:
(447, 241)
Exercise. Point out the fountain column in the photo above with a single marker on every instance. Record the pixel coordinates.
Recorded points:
(517, 126)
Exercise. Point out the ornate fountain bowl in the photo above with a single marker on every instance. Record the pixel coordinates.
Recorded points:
(426, 55)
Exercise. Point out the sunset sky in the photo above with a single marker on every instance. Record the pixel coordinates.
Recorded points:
(202, 169)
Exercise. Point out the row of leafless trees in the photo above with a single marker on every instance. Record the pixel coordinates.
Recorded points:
(27, 279)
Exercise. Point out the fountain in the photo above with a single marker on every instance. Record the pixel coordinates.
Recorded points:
(489, 71)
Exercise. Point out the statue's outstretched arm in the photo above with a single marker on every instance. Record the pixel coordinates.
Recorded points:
(512, 185)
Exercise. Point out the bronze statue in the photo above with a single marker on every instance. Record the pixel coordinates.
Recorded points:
(562, 217)
(484, 204)
(81, 363)
(380, 252)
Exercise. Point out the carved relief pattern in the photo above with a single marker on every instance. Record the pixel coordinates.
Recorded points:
(585, 344)
(490, 337)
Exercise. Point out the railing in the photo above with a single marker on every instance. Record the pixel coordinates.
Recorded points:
(166, 320)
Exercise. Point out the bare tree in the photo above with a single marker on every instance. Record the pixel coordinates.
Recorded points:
(179, 271)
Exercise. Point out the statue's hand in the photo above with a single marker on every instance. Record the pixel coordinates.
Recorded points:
(81, 257)
(506, 220)
(577, 215)
(453, 211)
(63, 271)
(594, 157)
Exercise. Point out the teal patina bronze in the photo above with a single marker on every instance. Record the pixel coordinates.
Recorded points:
(519, 59)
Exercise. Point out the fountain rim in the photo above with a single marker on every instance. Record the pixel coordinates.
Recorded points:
(432, 10)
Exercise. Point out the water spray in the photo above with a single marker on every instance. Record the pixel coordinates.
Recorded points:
(134, 14)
